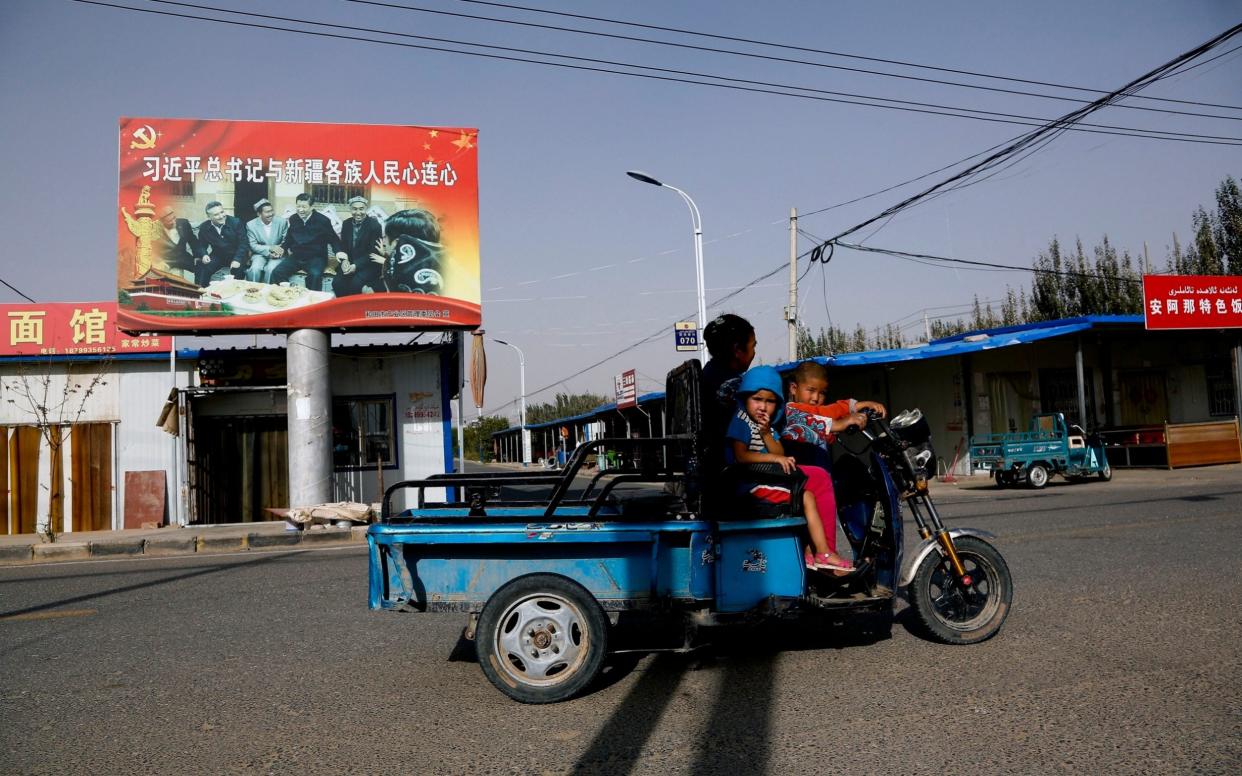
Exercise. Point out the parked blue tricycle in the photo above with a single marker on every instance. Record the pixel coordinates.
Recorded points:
(1051, 446)
(540, 565)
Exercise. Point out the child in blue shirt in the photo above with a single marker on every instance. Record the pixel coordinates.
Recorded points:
(752, 438)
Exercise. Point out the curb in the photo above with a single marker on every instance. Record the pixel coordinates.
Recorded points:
(175, 544)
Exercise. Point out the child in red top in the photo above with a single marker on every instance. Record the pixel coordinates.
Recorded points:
(809, 420)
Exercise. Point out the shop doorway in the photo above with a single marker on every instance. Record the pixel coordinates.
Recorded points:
(239, 468)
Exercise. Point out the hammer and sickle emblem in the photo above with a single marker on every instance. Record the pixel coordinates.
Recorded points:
(143, 138)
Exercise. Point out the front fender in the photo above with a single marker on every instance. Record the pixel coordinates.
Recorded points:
(930, 545)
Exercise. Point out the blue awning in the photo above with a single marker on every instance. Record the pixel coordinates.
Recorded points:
(956, 345)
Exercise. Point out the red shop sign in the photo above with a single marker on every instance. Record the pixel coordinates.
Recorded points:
(1192, 301)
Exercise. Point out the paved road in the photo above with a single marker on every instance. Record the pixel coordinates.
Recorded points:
(1122, 655)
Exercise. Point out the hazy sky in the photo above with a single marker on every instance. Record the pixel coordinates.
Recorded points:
(580, 261)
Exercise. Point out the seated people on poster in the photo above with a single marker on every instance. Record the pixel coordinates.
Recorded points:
(222, 243)
(414, 253)
(265, 233)
(179, 245)
(306, 244)
(360, 236)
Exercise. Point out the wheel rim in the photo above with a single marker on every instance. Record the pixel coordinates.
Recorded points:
(1038, 476)
(965, 609)
(541, 640)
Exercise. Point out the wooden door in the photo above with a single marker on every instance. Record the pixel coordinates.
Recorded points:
(91, 453)
(24, 443)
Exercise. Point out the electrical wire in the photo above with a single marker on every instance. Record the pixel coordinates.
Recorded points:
(880, 60)
(15, 290)
(766, 57)
(926, 257)
(1054, 128)
(672, 75)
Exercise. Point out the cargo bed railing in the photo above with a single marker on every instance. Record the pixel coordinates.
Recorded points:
(649, 460)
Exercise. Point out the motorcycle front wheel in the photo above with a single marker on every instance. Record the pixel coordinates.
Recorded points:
(954, 613)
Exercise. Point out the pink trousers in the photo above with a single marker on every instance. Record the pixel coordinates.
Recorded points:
(819, 485)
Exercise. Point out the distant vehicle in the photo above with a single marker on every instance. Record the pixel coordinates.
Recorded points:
(1050, 447)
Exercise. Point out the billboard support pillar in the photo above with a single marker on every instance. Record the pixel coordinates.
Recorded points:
(310, 417)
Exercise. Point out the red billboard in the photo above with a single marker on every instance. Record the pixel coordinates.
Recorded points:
(1192, 301)
(246, 225)
(70, 329)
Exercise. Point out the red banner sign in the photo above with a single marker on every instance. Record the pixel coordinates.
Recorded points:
(626, 389)
(248, 225)
(68, 329)
(1192, 301)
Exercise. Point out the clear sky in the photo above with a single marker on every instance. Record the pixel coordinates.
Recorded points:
(580, 261)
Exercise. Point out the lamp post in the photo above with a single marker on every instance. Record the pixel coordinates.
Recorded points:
(697, 222)
(522, 367)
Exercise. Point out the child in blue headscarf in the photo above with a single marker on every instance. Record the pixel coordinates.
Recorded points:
(752, 437)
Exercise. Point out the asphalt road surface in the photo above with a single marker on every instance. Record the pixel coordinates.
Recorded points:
(1122, 654)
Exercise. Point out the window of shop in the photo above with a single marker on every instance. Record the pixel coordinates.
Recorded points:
(364, 432)
(336, 194)
(1220, 391)
(1058, 392)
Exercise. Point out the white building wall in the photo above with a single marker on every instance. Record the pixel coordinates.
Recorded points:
(141, 445)
(63, 389)
(415, 380)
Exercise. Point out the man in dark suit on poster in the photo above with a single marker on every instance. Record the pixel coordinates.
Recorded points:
(307, 241)
(359, 236)
(222, 243)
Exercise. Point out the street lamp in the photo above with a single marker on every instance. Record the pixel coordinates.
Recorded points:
(697, 222)
(522, 367)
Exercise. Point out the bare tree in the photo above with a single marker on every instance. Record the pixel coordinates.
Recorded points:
(56, 410)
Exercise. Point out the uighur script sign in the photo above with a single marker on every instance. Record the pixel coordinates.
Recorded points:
(1192, 301)
(70, 329)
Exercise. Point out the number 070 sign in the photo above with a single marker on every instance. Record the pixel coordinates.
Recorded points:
(687, 334)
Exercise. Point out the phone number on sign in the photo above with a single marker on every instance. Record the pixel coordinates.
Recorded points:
(407, 314)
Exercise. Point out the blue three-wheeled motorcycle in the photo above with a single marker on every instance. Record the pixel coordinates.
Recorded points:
(540, 565)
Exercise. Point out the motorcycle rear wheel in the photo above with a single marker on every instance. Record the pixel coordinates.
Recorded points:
(952, 614)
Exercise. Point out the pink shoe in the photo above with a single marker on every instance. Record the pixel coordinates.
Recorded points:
(829, 562)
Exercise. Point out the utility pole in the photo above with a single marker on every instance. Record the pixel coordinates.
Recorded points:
(791, 312)
(1146, 261)
(926, 326)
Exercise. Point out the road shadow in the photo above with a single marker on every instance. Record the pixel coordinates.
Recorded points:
(199, 572)
(738, 729)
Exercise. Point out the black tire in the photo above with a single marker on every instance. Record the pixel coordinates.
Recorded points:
(1106, 473)
(562, 648)
(952, 615)
(1037, 476)
(1004, 479)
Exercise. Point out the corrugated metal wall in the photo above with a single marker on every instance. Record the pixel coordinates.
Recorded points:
(142, 445)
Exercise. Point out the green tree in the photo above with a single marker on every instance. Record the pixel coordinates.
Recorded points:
(1227, 230)
(1204, 256)
(1048, 295)
(478, 436)
(565, 405)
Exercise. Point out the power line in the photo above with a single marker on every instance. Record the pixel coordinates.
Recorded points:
(757, 87)
(12, 288)
(1048, 131)
(790, 47)
(1005, 267)
(752, 55)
